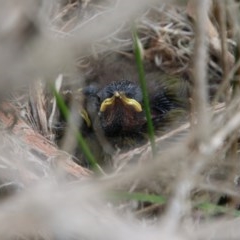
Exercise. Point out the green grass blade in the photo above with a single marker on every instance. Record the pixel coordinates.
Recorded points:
(212, 209)
(66, 114)
(208, 208)
(138, 57)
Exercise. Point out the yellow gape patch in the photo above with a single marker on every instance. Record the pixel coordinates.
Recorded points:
(85, 117)
(127, 101)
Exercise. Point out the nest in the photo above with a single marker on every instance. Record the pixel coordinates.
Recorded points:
(196, 158)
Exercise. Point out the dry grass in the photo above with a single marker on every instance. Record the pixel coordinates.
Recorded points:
(46, 195)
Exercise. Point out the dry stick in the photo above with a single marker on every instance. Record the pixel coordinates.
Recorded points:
(178, 206)
(233, 13)
(223, 38)
(217, 140)
(228, 66)
(63, 12)
(200, 65)
(232, 152)
(229, 76)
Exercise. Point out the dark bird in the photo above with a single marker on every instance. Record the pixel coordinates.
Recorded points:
(121, 111)
(112, 109)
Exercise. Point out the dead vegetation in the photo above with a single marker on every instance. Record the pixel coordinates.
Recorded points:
(188, 189)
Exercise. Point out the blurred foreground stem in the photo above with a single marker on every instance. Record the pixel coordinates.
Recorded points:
(66, 114)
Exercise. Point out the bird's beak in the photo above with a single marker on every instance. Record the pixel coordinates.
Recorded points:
(85, 116)
(127, 101)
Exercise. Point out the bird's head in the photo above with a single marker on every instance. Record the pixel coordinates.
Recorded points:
(121, 108)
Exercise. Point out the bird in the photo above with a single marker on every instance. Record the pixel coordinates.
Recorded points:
(112, 110)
